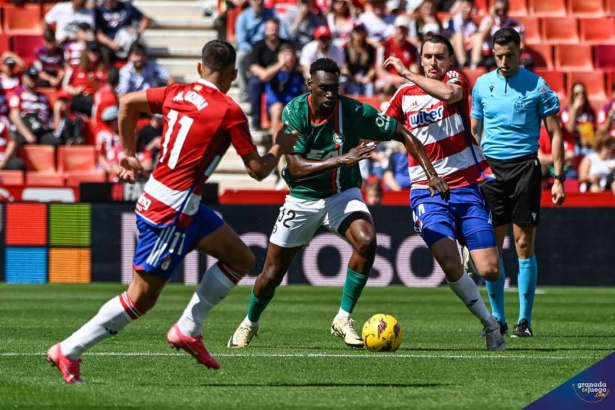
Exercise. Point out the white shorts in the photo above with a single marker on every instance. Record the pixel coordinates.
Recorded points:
(300, 218)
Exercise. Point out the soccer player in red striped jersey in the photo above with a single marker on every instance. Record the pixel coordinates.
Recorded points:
(435, 108)
(200, 123)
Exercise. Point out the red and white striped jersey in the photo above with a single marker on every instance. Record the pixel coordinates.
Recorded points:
(199, 125)
(444, 130)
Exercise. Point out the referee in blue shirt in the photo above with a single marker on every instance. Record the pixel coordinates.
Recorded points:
(508, 106)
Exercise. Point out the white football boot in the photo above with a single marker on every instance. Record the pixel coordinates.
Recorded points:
(344, 328)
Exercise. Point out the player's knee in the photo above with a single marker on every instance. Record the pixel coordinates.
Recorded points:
(491, 272)
(524, 247)
(365, 244)
(452, 269)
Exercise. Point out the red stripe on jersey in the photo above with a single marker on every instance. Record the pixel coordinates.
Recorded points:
(444, 148)
(460, 178)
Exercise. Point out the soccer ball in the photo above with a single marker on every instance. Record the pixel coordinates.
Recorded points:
(382, 333)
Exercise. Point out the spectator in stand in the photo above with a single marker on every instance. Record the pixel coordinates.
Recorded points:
(107, 140)
(30, 113)
(301, 24)
(8, 150)
(10, 76)
(74, 49)
(427, 22)
(66, 18)
(379, 22)
(579, 120)
(119, 25)
(340, 19)
(596, 169)
(250, 28)
(545, 157)
(395, 46)
(69, 126)
(49, 60)
(606, 116)
(83, 81)
(150, 136)
(462, 28)
(396, 177)
(360, 68)
(286, 84)
(105, 97)
(482, 52)
(263, 59)
(140, 73)
(373, 192)
(321, 47)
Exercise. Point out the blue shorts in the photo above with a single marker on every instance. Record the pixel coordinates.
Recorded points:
(161, 250)
(465, 217)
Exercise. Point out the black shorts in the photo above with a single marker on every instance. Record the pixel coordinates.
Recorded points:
(515, 194)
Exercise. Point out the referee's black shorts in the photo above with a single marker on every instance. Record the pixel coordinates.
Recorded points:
(515, 194)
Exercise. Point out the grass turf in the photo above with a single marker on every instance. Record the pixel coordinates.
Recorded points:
(295, 363)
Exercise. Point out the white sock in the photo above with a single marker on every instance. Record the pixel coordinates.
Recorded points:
(112, 317)
(466, 290)
(341, 314)
(251, 323)
(217, 282)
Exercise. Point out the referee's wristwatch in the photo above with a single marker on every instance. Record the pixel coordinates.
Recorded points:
(560, 177)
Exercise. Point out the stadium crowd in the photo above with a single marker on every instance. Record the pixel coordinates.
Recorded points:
(91, 55)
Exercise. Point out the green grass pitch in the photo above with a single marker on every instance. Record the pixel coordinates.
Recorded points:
(295, 363)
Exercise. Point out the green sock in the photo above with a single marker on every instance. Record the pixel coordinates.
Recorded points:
(355, 282)
(257, 307)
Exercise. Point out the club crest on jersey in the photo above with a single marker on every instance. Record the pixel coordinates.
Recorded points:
(426, 117)
(166, 262)
(338, 139)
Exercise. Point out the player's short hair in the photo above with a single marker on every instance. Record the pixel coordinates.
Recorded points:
(218, 54)
(438, 39)
(506, 35)
(324, 64)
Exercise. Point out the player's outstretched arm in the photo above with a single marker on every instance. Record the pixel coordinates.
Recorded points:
(131, 106)
(302, 168)
(417, 150)
(260, 167)
(447, 92)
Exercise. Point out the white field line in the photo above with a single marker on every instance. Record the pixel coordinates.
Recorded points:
(322, 355)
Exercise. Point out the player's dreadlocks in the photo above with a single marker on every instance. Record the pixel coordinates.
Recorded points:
(218, 54)
(324, 64)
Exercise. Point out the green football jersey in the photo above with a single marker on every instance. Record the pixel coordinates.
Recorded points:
(350, 122)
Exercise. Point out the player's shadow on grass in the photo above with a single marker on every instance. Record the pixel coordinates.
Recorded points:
(390, 385)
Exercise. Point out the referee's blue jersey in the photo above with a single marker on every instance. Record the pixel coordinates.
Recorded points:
(512, 109)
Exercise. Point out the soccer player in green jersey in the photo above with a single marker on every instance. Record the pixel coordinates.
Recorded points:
(324, 179)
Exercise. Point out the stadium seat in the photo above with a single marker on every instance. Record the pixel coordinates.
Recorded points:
(25, 44)
(11, 178)
(586, 8)
(73, 179)
(593, 80)
(609, 6)
(231, 18)
(610, 80)
(481, 6)
(472, 75)
(44, 179)
(76, 158)
(25, 19)
(604, 57)
(5, 45)
(560, 30)
(573, 57)
(548, 8)
(50, 93)
(597, 30)
(533, 34)
(39, 158)
(556, 81)
(542, 55)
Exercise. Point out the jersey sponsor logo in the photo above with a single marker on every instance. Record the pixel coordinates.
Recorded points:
(319, 154)
(338, 139)
(192, 97)
(426, 117)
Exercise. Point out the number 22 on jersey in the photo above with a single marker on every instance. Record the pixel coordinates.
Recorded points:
(178, 141)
